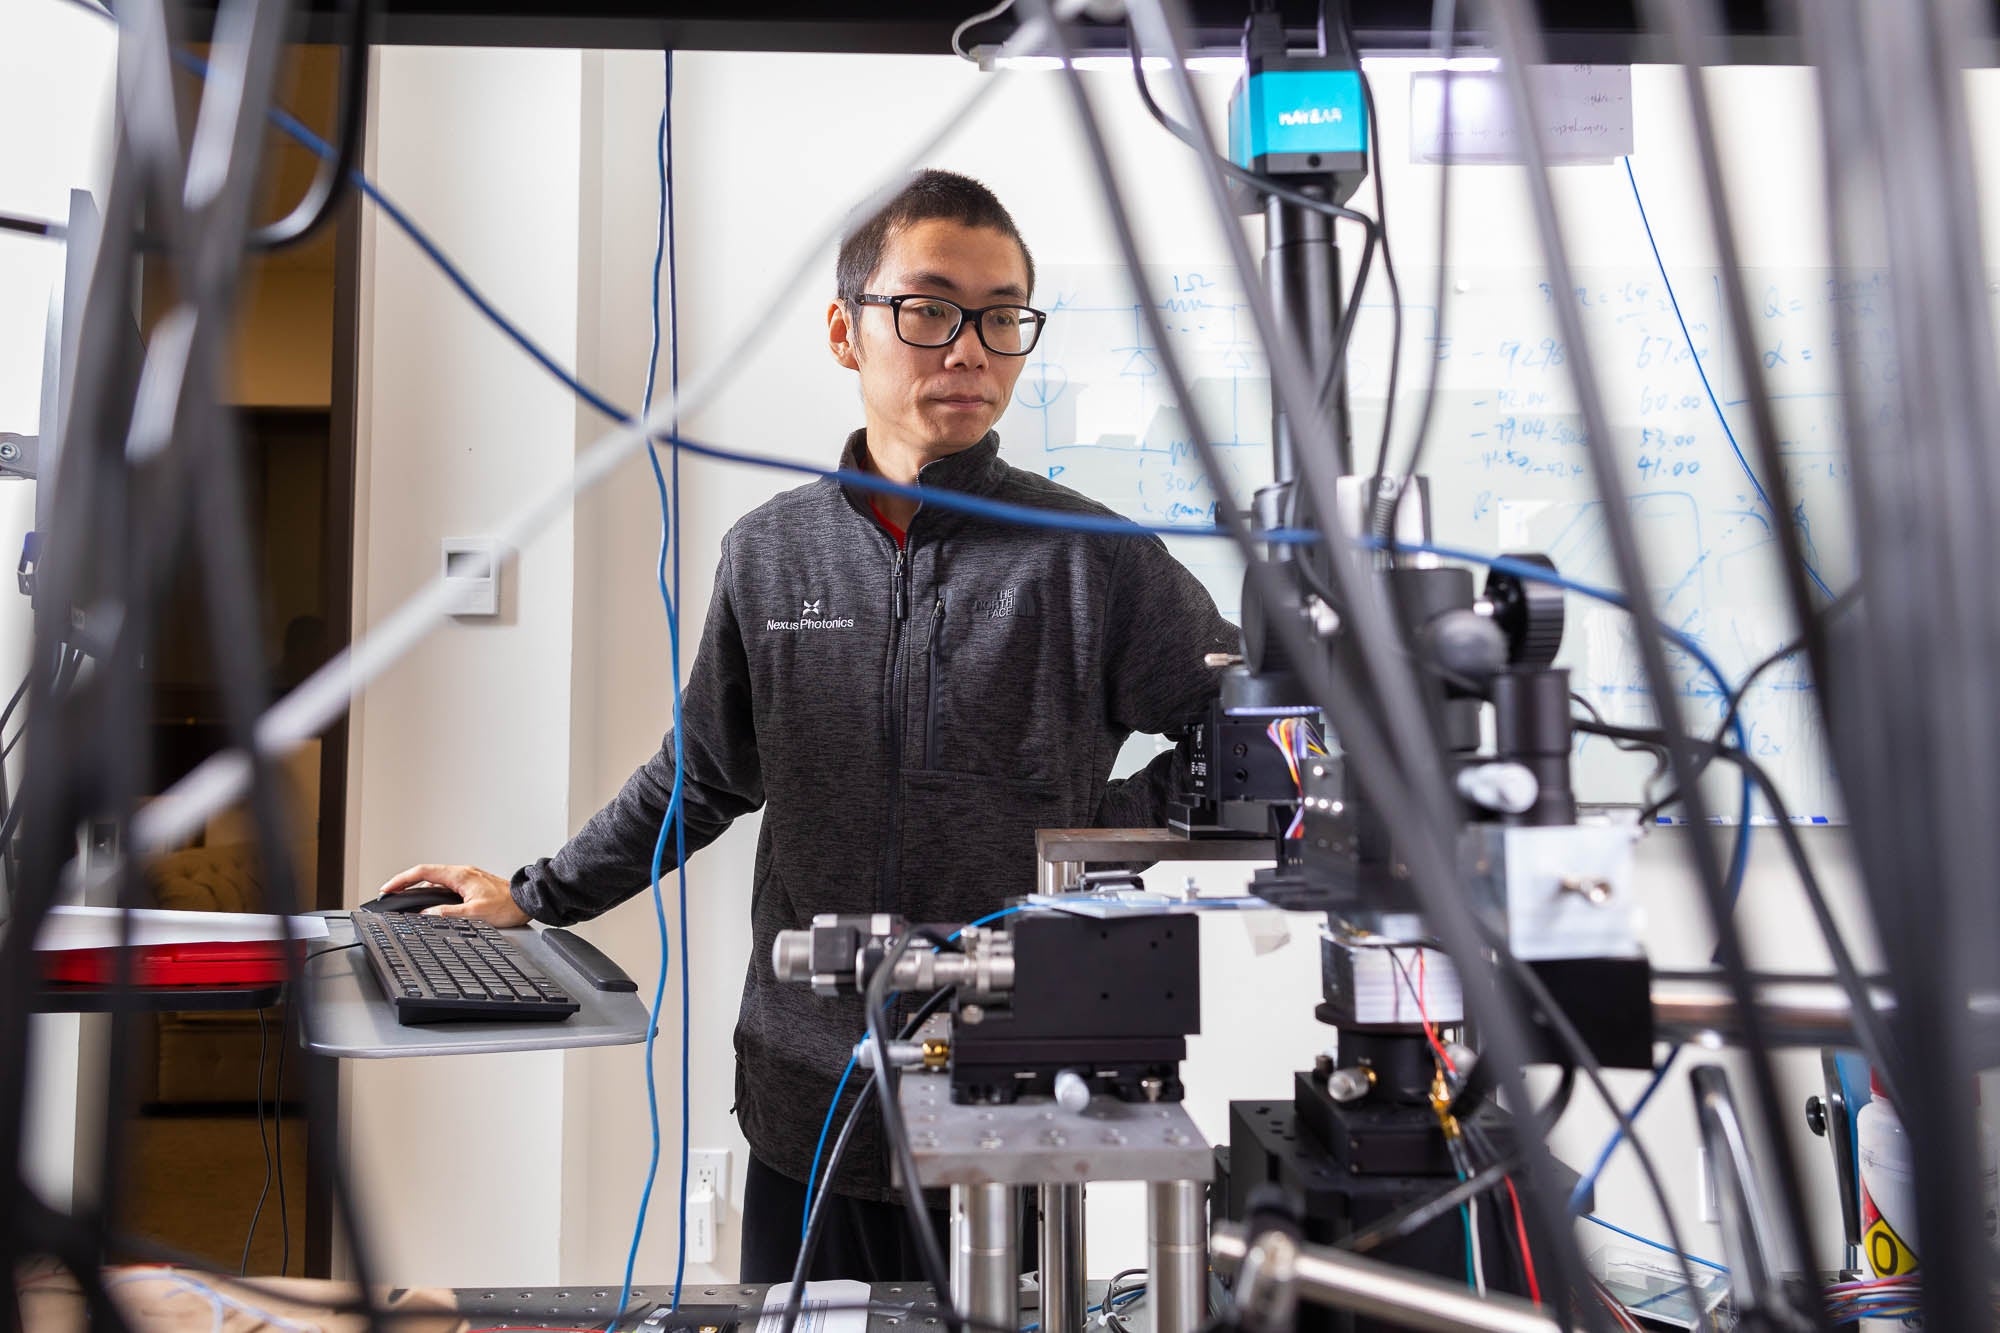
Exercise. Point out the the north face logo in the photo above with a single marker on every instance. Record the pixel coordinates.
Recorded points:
(815, 607)
(1012, 602)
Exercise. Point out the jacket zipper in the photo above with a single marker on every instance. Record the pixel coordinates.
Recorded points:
(931, 687)
(892, 860)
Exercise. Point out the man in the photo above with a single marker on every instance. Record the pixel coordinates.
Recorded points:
(910, 692)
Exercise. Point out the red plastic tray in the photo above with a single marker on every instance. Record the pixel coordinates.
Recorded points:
(209, 964)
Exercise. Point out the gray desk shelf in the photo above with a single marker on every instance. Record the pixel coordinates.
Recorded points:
(349, 1018)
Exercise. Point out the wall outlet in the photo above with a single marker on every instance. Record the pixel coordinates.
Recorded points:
(708, 1168)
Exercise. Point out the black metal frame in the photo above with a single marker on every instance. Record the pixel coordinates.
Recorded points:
(1595, 31)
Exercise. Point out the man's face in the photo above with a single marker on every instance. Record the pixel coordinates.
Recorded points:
(935, 400)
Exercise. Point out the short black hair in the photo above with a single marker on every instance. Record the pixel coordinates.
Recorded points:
(931, 195)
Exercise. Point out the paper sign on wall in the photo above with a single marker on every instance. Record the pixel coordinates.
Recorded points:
(1586, 114)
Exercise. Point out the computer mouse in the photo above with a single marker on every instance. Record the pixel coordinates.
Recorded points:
(411, 900)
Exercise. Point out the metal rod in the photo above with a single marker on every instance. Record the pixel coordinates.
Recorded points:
(1177, 1245)
(961, 1247)
(1807, 1012)
(1369, 1287)
(986, 1269)
(1062, 1258)
(1302, 274)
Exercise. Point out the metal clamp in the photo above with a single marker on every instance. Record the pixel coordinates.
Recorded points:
(20, 455)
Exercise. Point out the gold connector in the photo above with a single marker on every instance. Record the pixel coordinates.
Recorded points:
(1441, 1104)
(937, 1053)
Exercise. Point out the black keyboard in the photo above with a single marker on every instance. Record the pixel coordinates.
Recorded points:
(438, 968)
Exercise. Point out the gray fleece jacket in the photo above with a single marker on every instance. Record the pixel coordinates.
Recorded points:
(908, 719)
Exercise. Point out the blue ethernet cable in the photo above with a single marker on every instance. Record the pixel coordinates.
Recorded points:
(665, 162)
(669, 599)
(999, 511)
(1588, 1180)
(1701, 370)
(292, 126)
(1658, 1245)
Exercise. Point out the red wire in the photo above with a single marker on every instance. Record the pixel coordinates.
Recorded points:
(1424, 1014)
(1527, 1255)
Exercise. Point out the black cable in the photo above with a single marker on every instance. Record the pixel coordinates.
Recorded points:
(1913, 740)
(1656, 749)
(1544, 1005)
(6, 793)
(278, 1135)
(945, 1313)
(1559, 1099)
(1336, 370)
(1113, 1318)
(1738, 695)
(1408, 1220)
(897, 1132)
(810, 1243)
(1870, 1027)
(20, 693)
(1444, 25)
(334, 178)
(69, 663)
(1419, 805)
(1515, 27)
(1550, 1114)
(243, 1268)
(69, 660)
(1388, 271)
(1633, 740)
(333, 948)
(1111, 1287)
(1262, 185)
(32, 226)
(1480, 1147)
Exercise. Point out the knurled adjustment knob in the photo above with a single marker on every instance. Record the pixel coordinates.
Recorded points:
(1528, 610)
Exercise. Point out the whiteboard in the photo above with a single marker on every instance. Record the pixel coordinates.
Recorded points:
(1506, 457)
(1092, 403)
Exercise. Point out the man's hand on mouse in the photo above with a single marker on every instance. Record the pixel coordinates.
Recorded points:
(484, 893)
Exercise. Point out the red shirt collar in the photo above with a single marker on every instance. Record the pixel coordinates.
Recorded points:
(902, 536)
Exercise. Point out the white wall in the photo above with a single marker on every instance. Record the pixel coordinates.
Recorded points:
(496, 740)
(463, 752)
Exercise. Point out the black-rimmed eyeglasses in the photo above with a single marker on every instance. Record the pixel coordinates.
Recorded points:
(932, 321)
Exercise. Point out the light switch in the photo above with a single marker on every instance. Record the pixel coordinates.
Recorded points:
(472, 575)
